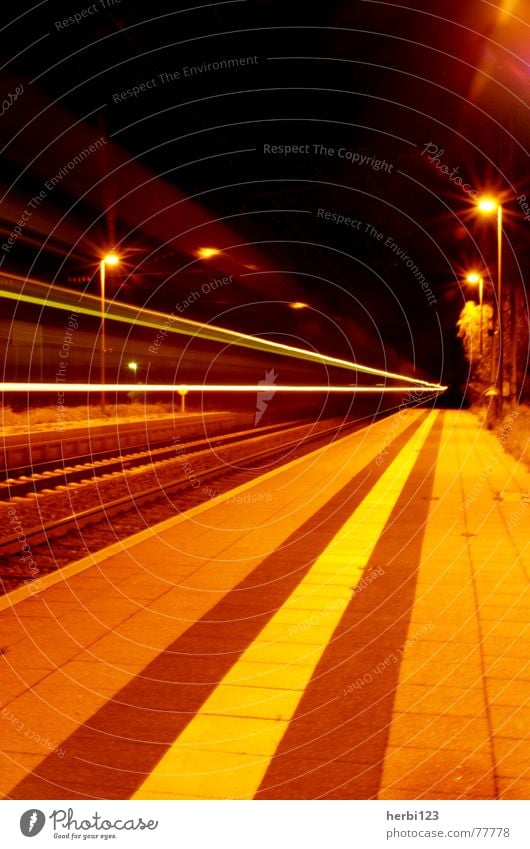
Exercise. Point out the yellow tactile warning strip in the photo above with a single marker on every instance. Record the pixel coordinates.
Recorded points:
(225, 750)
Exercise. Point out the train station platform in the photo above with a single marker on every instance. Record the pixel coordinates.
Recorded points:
(353, 625)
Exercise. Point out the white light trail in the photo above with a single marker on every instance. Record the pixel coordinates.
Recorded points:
(199, 387)
(117, 311)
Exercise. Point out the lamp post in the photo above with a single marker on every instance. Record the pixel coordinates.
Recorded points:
(110, 260)
(488, 206)
(183, 391)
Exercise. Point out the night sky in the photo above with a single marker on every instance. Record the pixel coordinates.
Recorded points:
(331, 151)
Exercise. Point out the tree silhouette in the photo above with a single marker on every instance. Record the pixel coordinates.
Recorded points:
(478, 352)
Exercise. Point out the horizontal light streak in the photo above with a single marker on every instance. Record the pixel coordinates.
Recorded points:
(200, 387)
(117, 311)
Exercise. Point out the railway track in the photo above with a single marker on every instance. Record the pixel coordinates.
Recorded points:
(59, 541)
(48, 475)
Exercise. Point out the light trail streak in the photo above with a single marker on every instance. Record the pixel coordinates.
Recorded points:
(117, 311)
(200, 387)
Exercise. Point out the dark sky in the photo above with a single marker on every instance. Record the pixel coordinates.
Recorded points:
(396, 118)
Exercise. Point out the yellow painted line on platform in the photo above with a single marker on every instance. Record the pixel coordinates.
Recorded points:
(225, 750)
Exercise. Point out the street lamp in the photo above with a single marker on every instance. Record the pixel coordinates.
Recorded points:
(488, 206)
(132, 366)
(110, 260)
(476, 279)
(207, 253)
